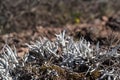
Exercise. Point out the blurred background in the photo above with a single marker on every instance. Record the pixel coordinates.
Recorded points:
(17, 15)
(26, 20)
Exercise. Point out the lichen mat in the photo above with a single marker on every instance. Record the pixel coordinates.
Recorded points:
(61, 59)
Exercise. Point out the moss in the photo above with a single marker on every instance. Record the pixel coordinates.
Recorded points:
(75, 76)
(95, 74)
(60, 71)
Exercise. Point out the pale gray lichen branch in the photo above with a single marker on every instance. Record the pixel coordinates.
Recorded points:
(79, 52)
(69, 53)
(8, 61)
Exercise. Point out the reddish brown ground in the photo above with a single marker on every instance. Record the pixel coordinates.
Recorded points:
(93, 32)
(25, 21)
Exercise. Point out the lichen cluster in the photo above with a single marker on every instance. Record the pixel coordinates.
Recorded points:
(61, 59)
